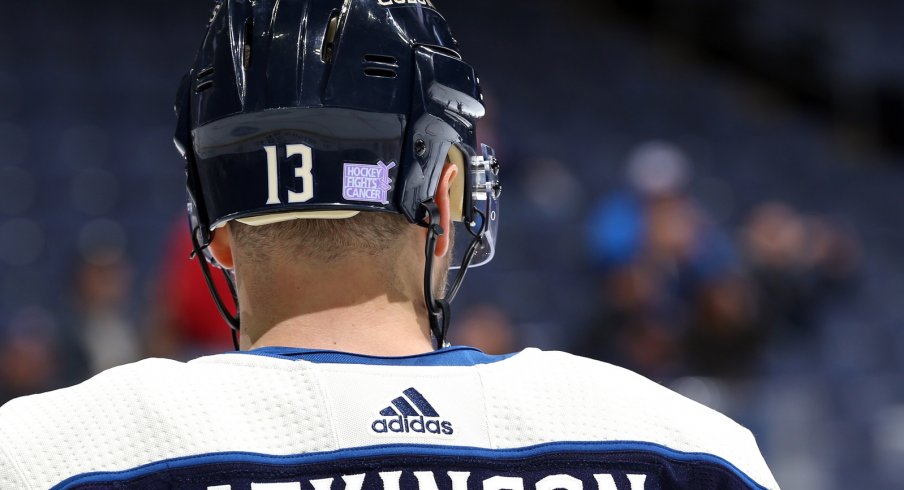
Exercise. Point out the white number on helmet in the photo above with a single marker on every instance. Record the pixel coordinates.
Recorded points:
(303, 172)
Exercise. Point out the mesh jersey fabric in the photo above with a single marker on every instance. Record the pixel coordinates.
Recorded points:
(238, 418)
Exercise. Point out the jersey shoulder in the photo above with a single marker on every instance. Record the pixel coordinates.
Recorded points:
(33, 428)
(101, 392)
(566, 397)
(151, 410)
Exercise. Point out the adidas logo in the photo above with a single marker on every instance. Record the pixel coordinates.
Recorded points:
(411, 412)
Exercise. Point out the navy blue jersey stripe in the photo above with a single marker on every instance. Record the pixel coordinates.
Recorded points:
(676, 469)
(388, 412)
(404, 407)
(420, 402)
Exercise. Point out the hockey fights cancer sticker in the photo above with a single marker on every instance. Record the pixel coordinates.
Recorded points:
(367, 182)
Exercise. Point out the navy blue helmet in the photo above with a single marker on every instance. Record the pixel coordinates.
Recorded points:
(334, 107)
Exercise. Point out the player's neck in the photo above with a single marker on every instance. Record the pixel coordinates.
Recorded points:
(347, 309)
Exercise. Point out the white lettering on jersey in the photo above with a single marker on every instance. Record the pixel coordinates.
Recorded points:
(606, 482)
(427, 481)
(459, 479)
(503, 483)
(352, 482)
(390, 479)
(637, 481)
(556, 482)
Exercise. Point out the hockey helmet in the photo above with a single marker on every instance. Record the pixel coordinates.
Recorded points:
(328, 108)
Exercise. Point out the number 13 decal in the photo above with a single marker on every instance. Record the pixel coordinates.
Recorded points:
(303, 172)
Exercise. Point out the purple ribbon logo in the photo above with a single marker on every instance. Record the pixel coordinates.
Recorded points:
(367, 182)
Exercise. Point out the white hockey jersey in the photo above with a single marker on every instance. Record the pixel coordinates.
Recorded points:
(293, 419)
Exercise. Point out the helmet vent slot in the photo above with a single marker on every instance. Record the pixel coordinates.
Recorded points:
(380, 72)
(380, 65)
(205, 72)
(202, 85)
(381, 58)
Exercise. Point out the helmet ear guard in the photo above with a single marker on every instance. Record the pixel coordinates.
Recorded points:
(450, 104)
(445, 106)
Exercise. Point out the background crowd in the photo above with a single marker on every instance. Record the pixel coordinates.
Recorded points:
(705, 191)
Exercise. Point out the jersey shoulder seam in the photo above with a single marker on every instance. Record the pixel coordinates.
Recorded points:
(17, 470)
(491, 434)
(325, 403)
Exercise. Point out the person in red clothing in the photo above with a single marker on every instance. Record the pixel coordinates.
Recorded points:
(184, 320)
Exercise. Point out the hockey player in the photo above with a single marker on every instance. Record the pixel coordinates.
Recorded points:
(331, 152)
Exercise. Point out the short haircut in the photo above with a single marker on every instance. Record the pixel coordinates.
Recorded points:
(369, 234)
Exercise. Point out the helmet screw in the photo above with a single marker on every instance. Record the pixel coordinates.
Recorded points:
(420, 148)
(494, 165)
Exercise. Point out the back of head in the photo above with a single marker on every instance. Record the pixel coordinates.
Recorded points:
(362, 238)
(320, 110)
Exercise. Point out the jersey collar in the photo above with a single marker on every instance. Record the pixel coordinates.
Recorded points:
(448, 356)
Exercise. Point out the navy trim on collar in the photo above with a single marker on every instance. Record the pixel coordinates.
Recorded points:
(449, 356)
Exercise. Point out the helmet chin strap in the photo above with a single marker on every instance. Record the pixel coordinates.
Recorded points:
(232, 320)
(438, 310)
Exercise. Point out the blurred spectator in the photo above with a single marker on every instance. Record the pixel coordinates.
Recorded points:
(486, 327)
(675, 300)
(660, 255)
(726, 335)
(105, 327)
(632, 326)
(29, 356)
(184, 320)
(656, 220)
(796, 261)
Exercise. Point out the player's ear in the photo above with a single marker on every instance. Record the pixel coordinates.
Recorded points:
(221, 247)
(444, 203)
